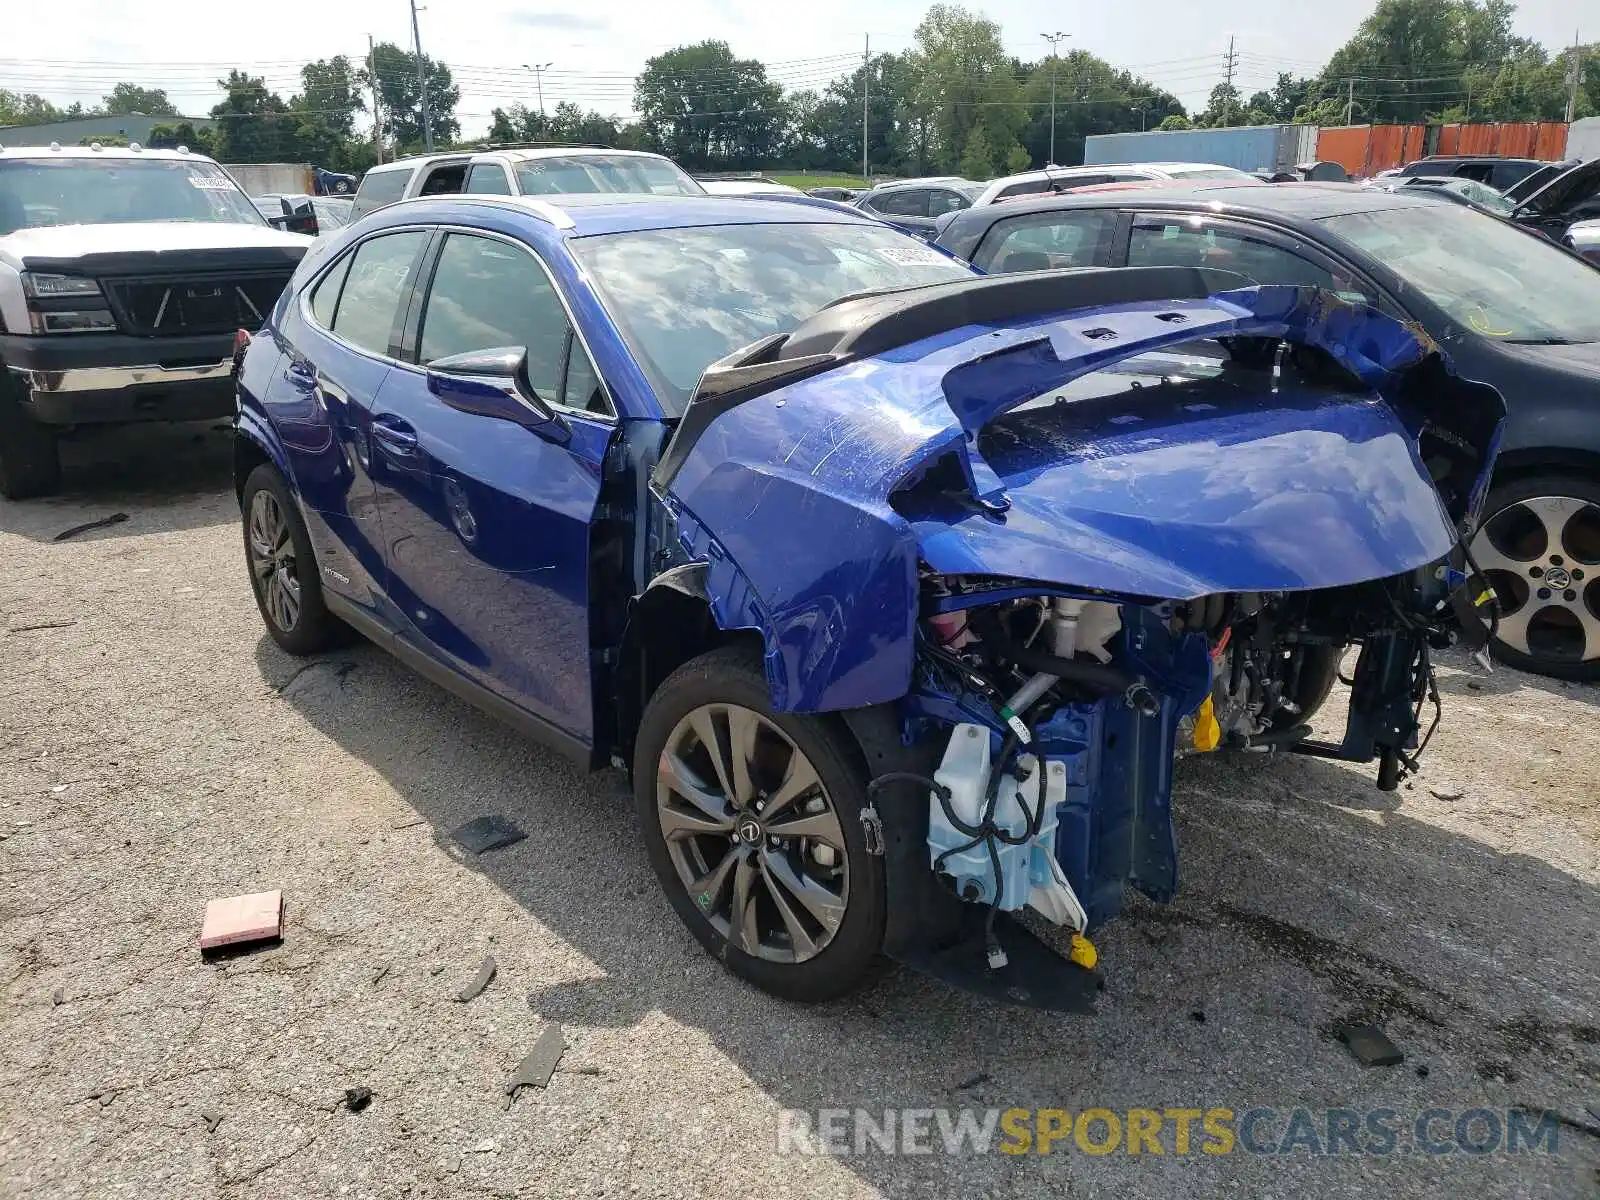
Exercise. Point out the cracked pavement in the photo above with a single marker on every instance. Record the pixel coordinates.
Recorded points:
(157, 750)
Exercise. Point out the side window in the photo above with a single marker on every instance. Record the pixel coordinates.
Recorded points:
(326, 296)
(379, 188)
(582, 389)
(488, 293)
(1196, 242)
(1478, 171)
(487, 179)
(909, 202)
(942, 200)
(1032, 187)
(1041, 241)
(444, 181)
(374, 288)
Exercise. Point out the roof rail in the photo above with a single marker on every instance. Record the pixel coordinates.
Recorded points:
(487, 146)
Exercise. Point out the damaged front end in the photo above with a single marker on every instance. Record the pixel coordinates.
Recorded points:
(1090, 524)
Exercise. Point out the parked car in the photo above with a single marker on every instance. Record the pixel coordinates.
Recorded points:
(915, 205)
(123, 275)
(1535, 180)
(538, 171)
(1060, 179)
(892, 599)
(839, 195)
(1498, 173)
(1571, 196)
(1584, 238)
(313, 215)
(1515, 312)
(1466, 191)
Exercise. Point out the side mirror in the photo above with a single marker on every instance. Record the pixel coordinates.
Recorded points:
(298, 217)
(494, 383)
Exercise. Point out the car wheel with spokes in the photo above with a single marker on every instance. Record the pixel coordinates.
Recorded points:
(1540, 548)
(283, 567)
(753, 823)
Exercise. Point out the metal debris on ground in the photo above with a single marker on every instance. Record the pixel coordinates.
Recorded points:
(116, 518)
(486, 973)
(59, 996)
(1446, 793)
(1371, 1046)
(487, 833)
(380, 975)
(212, 1118)
(240, 920)
(35, 626)
(357, 1098)
(536, 1069)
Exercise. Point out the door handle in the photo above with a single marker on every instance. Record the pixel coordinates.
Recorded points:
(300, 373)
(395, 435)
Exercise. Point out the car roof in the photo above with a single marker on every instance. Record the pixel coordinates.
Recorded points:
(119, 152)
(924, 181)
(513, 153)
(1305, 201)
(589, 214)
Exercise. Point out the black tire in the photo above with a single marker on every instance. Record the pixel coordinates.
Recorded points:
(313, 628)
(1552, 657)
(1319, 671)
(733, 676)
(29, 462)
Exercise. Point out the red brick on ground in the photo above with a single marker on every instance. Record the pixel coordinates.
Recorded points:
(238, 919)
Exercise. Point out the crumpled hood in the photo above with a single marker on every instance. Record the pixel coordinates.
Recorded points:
(954, 452)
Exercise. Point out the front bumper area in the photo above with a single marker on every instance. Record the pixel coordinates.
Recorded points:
(115, 379)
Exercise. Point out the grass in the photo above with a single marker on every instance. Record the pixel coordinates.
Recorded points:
(823, 179)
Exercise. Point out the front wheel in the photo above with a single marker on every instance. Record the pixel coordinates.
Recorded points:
(1540, 548)
(752, 820)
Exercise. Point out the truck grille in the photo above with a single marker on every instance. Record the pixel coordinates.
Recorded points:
(167, 306)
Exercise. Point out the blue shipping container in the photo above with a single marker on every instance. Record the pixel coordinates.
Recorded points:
(1249, 148)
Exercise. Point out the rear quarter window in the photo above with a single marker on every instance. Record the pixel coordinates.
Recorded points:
(378, 189)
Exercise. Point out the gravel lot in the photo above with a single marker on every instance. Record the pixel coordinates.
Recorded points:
(156, 750)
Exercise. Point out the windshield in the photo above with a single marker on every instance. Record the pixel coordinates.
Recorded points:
(1489, 275)
(81, 191)
(604, 173)
(687, 297)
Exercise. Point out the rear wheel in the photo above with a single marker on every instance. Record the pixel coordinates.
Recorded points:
(752, 820)
(29, 462)
(283, 568)
(1540, 548)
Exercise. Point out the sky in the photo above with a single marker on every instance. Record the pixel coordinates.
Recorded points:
(75, 51)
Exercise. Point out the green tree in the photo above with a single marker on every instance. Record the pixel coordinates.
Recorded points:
(130, 99)
(183, 133)
(401, 98)
(964, 81)
(977, 157)
(323, 114)
(707, 108)
(1175, 121)
(252, 123)
(26, 108)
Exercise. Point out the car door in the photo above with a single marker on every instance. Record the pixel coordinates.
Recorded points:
(1082, 237)
(341, 342)
(487, 520)
(1259, 254)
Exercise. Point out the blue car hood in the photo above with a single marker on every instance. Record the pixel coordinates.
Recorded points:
(976, 453)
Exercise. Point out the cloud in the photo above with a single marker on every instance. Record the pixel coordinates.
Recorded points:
(558, 20)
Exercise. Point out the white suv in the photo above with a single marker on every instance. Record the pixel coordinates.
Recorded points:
(1034, 183)
(541, 171)
(125, 275)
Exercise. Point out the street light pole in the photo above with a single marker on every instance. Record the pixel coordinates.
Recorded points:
(538, 70)
(1055, 40)
(422, 82)
(1140, 111)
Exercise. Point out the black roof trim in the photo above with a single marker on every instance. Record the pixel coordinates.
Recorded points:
(863, 326)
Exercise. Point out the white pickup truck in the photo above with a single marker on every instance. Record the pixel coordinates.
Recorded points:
(124, 276)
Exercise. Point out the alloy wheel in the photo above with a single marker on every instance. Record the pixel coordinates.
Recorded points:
(752, 833)
(273, 563)
(1543, 557)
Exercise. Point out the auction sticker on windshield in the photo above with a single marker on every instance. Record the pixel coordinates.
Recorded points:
(911, 256)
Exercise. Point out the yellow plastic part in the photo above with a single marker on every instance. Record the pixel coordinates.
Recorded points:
(1207, 733)
(1083, 952)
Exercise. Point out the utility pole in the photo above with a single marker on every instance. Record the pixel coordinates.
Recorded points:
(422, 82)
(1232, 64)
(1055, 40)
(538, 70)
(1350, 105)
(866, 88)
(377, 119)
(1140, 111)
(1577, 69)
